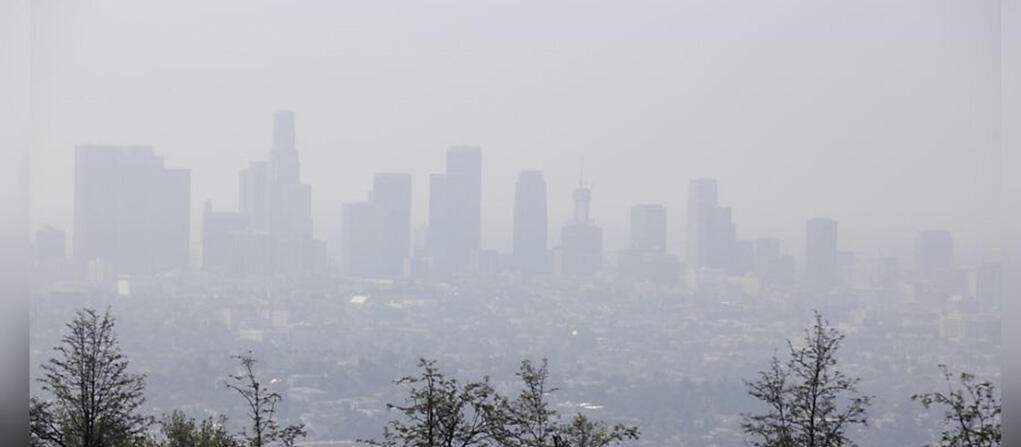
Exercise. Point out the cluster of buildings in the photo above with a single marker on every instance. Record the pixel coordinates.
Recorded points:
(132, 218)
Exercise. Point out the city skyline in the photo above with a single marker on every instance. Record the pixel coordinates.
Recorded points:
(895, 159)
(271, 232)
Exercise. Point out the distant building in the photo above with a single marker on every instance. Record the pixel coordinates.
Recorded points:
(391, 200)
(528, 246)
(648, 228)
(253, 189)
(776, 270)
(646, 258)
(581, 242)
(289, 205)
(820, 255)
(221, 240)
(131, 212)
(455, 211)
(711, 232)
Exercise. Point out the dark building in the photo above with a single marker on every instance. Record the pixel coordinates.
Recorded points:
(391, 201)
(131, 212)
(581, 244)
(820, 255)
(529, 251)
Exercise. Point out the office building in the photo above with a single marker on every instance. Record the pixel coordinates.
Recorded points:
(529, 253)
(131, 212)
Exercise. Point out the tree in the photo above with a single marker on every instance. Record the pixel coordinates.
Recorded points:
(261, 407)
(973, 411)
(810, 403)
(176, 430)
(584, 432)
(95, 400)
(438, 412)
(530, 420)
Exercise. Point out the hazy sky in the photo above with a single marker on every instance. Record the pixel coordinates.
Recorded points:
(880, 114)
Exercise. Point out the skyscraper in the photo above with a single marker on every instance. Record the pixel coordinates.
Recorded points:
(289, 202)
(221, 237)
(131, 212)
(581, 244)
(820, 255)
(253, 188)
(646, 258)
(711, 234)
(529, 238)
(648, 228)
(391, 201)
(934, 255)
(701, 202)
(455, 210)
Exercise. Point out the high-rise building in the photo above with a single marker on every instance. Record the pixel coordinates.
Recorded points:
(701, 202)
(455, 210)
(711, 232)
(391, 201)
(289, 203)
(934, 255)
(581, 244)
(646, 258)
(648, 228)
(820, 255)
(530, 224)
(131, 212)
(221, 238)
(253, 188)
(775, 270)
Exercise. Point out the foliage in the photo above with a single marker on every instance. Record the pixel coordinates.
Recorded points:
(973, 411)
(261, 408)
(810, 403)
(440, 412)
(176, 430)
(95, 400)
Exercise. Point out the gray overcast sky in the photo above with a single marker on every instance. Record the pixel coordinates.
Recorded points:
(880, 114)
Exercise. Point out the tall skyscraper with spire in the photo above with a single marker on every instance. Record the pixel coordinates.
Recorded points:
(289, 206)
(530, 222)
